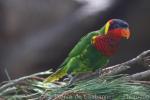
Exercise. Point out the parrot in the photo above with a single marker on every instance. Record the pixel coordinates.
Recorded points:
(93, 51)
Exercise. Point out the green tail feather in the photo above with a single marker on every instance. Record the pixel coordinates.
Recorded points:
(57, 75)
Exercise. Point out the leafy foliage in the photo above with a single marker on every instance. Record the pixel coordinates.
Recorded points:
(106, 88)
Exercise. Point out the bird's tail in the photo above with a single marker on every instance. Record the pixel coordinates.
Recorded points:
(57, 75)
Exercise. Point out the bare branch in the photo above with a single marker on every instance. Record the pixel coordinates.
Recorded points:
(139, 76)
(142, 82)
(126, 65)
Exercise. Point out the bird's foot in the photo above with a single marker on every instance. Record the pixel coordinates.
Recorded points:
(69, 77)
(66, 79)
(99, 72)
(69, 80)
(71, 83)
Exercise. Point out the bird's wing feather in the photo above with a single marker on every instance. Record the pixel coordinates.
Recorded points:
(80, 46)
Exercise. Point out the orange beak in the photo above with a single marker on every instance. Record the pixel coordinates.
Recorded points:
(125, 33)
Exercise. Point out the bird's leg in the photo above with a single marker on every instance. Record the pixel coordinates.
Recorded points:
(72, 79)
(69, 76)
(98, 72)
(82, 76)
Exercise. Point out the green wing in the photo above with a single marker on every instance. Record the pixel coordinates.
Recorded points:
(81, 45)
(84, 42)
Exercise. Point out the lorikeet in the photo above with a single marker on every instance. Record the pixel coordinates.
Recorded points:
(93, 50)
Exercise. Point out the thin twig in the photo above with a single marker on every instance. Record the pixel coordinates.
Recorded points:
(7, 74)
(8, 90)
(16, 81)
(27, 97)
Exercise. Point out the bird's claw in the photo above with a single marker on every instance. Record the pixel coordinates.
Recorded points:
(66, 79)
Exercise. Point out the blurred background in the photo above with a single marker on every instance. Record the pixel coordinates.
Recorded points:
(36, 35)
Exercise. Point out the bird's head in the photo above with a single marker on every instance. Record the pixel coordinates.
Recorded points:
(114, 30)
(117, 28)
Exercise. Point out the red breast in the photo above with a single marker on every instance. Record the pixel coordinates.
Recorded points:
(107, 46)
